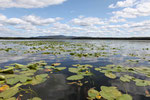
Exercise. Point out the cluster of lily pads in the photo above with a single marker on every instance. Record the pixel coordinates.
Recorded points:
(80, 71)
(68, 48)
(13, 77)
(56, 48)
(110, 71)
(16, 75)
(108, 93)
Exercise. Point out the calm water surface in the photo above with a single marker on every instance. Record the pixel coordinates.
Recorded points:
(56, 87)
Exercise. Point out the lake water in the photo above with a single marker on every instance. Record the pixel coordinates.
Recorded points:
(98, 53)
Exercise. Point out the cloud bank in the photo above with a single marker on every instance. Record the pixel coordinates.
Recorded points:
(29, 3)
(117, 25)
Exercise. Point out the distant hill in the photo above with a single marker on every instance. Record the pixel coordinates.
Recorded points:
(56, 37)
(75, 37)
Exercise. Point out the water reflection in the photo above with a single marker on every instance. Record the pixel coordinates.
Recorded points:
(137, 92)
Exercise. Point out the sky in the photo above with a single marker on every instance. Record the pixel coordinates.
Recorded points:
(91, 18)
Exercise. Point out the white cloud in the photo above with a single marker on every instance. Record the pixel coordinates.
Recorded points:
(116, 20)
(137, 8)
(28, 20)
(96, 27)
(29, 3)
(26, 27)
(2, 17)
(89, 21)
(15, 21)
(126, 3)
(61, 26)
(39, 21)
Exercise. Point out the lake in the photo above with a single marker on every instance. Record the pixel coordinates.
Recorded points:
(75, 69)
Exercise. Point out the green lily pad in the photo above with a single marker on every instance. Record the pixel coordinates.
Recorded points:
(97, 69)
(75, 77)
(139, 82)
(21, 78)
(2, 77)
(124, 79)
(19, 66)
(124, 97)
(92, 93)
(12, 81)
(8, 70)
(9, 93)
(110, 75)
(12, 98)
(38, 79)
(36, 98)
(73, 70)
(110, 93)
(60, 68)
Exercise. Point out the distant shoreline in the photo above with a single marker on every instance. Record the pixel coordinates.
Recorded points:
(81, 38)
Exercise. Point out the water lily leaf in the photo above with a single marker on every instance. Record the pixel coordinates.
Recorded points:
(87, 73)
(36, 98)
(110, 93)
(110, 75)
(75, 77)
(124, 79)
(10, 76)
(9, 93)
(18, 85)
(2, 82)
(12, 98)
(12, 81)
(92, 93)
(38, 79)
(32, 66)
(97, 69)
(129, 77)
(73, 70)
(60, 68)
(8, 70)
(139, 82)
(2, 77)
(28, 73)
(21, 78)
(19, 66)
(124, 97)
(42, 75)
(104, 71)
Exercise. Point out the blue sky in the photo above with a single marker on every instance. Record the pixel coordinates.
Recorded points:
(93, 18)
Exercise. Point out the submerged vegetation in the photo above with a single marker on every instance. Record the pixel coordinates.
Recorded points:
(17, 79)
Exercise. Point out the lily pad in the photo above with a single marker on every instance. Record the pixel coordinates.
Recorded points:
(110, 93)
(2, 77)
(36, 98)
(97, 69)
(140, 82)
(73, 70)
(60, 68)
(9, 93)
(124, 97)
(75, 77)
(124, 79)
(110, 75)
(8, 70)
(92, 93)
